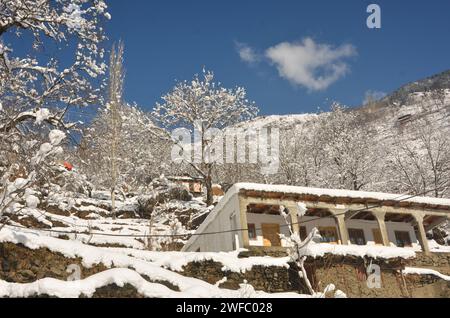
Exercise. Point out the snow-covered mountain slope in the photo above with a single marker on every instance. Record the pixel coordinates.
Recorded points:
(277, 121)
(428, 98)
(435, 82)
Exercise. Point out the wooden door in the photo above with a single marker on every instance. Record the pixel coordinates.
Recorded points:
(271, 234)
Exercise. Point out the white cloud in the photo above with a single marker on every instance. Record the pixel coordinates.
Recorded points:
(247, 54)
(313, 65)
(371, 95)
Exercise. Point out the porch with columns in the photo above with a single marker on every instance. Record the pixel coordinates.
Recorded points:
(343, 213)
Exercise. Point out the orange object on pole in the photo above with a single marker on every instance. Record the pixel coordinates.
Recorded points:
(68, 166)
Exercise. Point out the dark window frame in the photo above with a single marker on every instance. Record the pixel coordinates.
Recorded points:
(303, 233)
(354, 234)
(400, 241)
(252, 231)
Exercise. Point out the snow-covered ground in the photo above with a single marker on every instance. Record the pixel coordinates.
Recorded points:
(437, 248)
(142, 269)
(127, 269)
(82, 227)
(89, 220)
(97, 230)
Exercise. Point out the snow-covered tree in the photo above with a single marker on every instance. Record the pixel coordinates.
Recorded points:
(121, 148)
(202, 104)
(39, 86)
(302, 156)
(350, 151)
(114, 120)
(38, 90)
(297, 247)
(420, 160)
(141, 155)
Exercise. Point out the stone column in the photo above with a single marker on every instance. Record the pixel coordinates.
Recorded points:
(243, 221)
(382, 225)
(293, 211)
(422, 235)
(342, 227)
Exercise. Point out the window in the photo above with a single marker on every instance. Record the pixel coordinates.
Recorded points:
(303, 233)
(328, 234)
(357, 236)
(403, 239)
(251, 231)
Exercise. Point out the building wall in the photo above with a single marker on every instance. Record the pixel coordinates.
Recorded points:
(223, 218)
(226, 217)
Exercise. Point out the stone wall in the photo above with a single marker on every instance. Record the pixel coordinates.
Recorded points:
(270, 279)
(428, 286)
(346, 273)
(349, 274)
(22, 265)
(437, 261)
(19, 264)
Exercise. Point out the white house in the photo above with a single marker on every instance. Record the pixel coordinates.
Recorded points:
(249, 216)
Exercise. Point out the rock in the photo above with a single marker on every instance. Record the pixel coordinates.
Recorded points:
(5, 265)
(57, 271)
(36, 262)
(244, 254)
(27, 274)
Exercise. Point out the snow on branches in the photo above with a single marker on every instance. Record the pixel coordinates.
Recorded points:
(37, 90)
(35, 81)
(14, 188)
(204, 101)
(203, 105)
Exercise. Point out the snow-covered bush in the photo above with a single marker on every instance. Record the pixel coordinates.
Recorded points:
(16, 190)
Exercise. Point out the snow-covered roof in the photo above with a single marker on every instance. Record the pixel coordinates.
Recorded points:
(338, 193)
(184, 178)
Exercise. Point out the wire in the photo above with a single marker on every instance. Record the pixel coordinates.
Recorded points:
(219, 232)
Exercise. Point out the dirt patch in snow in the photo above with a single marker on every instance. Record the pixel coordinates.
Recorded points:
(117, 245)
(54, 209)
(27, 221)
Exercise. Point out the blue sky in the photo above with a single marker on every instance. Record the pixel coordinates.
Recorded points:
(173, 39)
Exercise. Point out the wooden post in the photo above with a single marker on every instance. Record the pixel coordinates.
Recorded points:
(293, 211)
(384, 234)
(243, 220)
(422, 235)
(342, 227)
